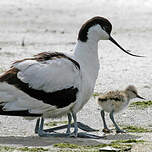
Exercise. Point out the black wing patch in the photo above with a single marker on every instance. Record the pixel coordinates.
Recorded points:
(23, 113)
(109, 98)
(59, 98)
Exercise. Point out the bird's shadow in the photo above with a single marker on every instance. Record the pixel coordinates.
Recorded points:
(48, 141)
(124, 136)
(44, 141)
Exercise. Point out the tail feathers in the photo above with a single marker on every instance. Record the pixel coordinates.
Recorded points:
(22, 113)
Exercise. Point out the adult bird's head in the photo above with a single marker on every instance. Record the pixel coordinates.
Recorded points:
(99, 28)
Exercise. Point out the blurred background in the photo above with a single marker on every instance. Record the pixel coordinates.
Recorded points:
(28, 27)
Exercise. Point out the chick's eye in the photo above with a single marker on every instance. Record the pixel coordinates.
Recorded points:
(134, 92)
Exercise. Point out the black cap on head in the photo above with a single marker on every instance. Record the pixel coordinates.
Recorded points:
(103, 22)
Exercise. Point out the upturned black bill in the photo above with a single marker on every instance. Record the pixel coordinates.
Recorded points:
(126, 51)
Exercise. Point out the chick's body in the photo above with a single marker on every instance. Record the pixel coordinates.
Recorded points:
(115, 101)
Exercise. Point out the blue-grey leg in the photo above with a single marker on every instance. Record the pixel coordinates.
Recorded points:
(85, 127)
(105, 129)
(56, 128)
(79, 124)
(37, 125)
(81, 134)
(75, 133)
(68, 132)
(118, 130)
(47, 132)
(42, 133)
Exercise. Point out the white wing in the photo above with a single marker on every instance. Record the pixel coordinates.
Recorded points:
(50, 75)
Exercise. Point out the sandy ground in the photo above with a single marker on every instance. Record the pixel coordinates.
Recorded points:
(53, 26)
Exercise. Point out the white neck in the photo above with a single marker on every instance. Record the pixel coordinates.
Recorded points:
(86, 53)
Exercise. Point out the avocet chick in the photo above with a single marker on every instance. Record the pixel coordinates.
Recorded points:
(115, 101)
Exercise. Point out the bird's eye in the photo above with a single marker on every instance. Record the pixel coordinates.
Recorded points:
(104, 28)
